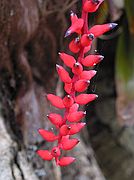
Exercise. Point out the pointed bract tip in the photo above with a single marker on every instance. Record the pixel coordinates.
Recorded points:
(68, 96)
(83, 124)
(113, 25)
(97, 96)
(57, 66)
(90, 36)
(39, 130)
(68, 32)
(101, 57)
(96, 1)
(73, 159)
(85, 113)
(77, 39)
(68, 127)
(94, 72)
(72, 13)
(88, 81)
(47, 115)
(76, 64)
(59, 53)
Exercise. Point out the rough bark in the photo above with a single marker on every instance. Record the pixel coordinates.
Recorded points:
(13, 160)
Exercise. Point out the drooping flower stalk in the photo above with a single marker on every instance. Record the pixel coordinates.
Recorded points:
(70, 124)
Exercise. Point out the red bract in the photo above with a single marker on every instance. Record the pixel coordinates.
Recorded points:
(74, 108)
(63, 74)
(68, 144)
(73, 17)
(92, 5)
(55, 101)
(67, 59)
(92, 60)
(87, 75)
(48, 135)
(76, 26)
(55, 152)
(55, 119)
(77, 68)
(81, 85)
(98, 30)
(45, 155)
(75, 128)
(75, 116)
(68, 101)
(68, 87)
(87, 48)
(86, 39)
(64, 130)
(74, 45)
(69, 123)
(71, 129)
(65, 161)
(83, 99)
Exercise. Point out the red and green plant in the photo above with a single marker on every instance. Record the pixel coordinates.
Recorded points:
(74, 86)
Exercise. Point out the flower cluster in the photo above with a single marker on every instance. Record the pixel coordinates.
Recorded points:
(74, 86)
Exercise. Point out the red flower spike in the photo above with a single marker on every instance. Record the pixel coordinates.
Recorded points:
(99, 30)
(68, 101)
(68, 144)
(55, 119)
(87, 75)
(55, 101)
(55, 152)
(86, 39)
(83, 99)
(81, 85)
(68, 87)
(74, 108)
(67, 59)
(70, 123)
(64, 130)
(76, 116)
(92, 60)
(48, 135)
(63, 74)
(74, 45)
(77, 68)
(92, 5)
(75, 128)
(65, 161)
(45, 155)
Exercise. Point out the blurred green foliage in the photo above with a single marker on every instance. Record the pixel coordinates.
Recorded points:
(125, 51)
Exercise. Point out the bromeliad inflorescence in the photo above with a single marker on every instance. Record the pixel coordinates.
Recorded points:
(74, 86)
